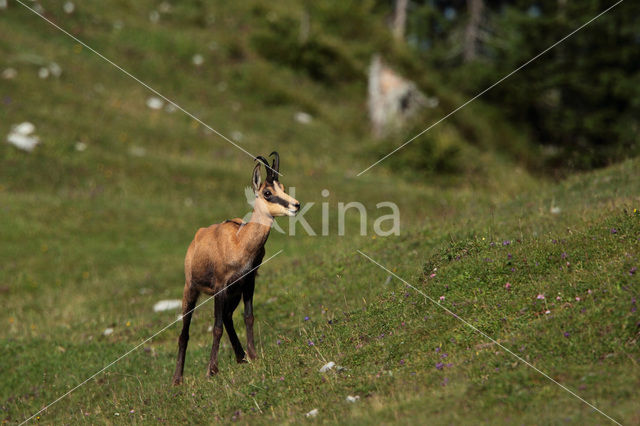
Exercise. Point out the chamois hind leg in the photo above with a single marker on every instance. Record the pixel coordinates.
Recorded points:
(247, 296)
(230, 306)
(189, 299)
(218, 312)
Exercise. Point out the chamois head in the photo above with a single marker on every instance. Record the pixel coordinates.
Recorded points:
(271, 197)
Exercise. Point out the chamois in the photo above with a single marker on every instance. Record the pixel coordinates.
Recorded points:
(224, 252)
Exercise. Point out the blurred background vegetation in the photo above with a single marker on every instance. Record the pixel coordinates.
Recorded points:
(95, 220)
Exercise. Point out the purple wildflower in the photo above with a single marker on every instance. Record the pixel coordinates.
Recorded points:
(509, 256)
(540, 296)
(564, 255)
(506, 242)
(310, 343)
(439, 365)
(632, 270)
(306, 318)
(445, 381)
(614, 231)
(402, 362)
(278, 342)
(438, 349)
(507, 286)
(566, 334)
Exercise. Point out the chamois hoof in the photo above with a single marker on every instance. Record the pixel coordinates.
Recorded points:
(212, 371)
(242, 360)
(177, 381)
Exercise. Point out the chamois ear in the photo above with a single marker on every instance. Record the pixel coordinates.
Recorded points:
(256, 180)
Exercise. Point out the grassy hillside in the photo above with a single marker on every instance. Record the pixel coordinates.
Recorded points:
(92, 239)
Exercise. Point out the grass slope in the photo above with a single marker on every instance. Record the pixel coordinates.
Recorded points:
(93, 239)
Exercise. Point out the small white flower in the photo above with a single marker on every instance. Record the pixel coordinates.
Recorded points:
(312, 413)
(107, 331)
(80, 146)
(353, 398)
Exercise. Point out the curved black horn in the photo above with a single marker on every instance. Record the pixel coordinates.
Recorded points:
(276, 163)
(270, 173)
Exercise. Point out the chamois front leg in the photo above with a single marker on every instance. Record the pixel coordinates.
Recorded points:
(218, 313)
(230, 305)
(247, 296)
(189, 299)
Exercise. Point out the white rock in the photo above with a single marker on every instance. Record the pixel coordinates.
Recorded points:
(197, 59)
(137, 151)
(24, 128)
(328, 366)
(68, 7)
(353, 398)
(23, 142)
(555, 210)
(155, 103)
(55, 69)
(9, 73)
(312, 413)
(303, 117)
(237, 135)
(154, 16)
(107, 331)
(43, 73)
(80, 146)
(167, 305)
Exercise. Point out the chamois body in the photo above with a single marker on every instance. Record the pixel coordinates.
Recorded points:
(223, 259)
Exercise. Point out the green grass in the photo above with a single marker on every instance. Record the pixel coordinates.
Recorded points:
(93, 239)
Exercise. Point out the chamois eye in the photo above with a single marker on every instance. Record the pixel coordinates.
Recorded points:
(267, 194)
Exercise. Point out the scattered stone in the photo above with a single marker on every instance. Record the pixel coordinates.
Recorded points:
(69, 7)
(21, 136)
(353, 399)
(154, 16)
(328, 366)
(303, 118)
(137, 151)
(43, 73)
(80, 146)
(155, 103)
(236, 135)
(312, 413)
(167, 305)
(9, 73)
(107, 331)
(197, 59)
(55, 69)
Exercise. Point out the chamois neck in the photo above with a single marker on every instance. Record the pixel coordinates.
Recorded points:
(255, 232)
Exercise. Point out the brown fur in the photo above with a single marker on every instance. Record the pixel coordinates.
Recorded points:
(221, 260)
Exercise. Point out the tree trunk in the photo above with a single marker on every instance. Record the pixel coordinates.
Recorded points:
(399, 19)
(475, 8)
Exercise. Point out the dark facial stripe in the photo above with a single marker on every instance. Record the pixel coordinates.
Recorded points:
(277, 200)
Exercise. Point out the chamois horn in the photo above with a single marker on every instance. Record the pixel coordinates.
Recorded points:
(267, 166)
(276, 164)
